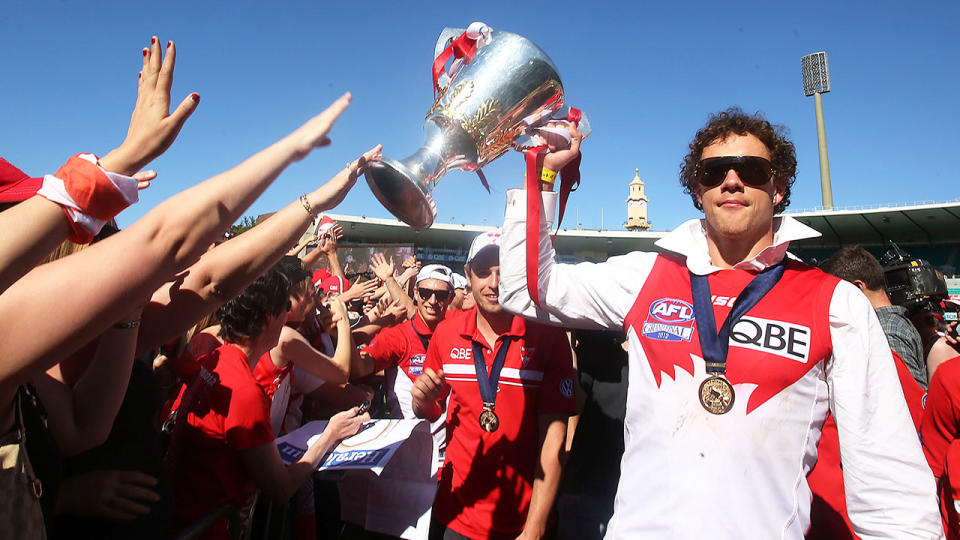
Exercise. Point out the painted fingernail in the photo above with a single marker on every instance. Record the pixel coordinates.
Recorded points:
(169, 43)
(195, 97)
(153, 40)
(145, 50)
(140, 75)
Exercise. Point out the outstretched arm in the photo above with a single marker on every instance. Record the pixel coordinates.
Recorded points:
(224, 271)
(108, 279)
(279, 481)
(35, 227)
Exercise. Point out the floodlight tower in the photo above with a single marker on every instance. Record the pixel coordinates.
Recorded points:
(816, 81)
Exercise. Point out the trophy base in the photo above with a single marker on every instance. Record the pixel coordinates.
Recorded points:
(395, 188)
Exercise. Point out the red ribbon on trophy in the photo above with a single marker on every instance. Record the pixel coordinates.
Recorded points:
(462, 47)
(569, 182)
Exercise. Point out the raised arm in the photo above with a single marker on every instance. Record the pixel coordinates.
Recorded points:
(293, 347)
(224, 271)
(108, 279)
(302, 245)
(585, 295)
(384, 269)
(326, 245)
(35, 227)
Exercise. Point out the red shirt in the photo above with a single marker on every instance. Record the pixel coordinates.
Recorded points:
(237, 417)
(939, 432)
(277, 383)
(399, 351)
(487, 478)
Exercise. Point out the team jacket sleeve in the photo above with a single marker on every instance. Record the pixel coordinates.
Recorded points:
(584, 295)
(889, 487)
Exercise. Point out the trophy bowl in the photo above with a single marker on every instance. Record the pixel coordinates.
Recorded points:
(475, 119)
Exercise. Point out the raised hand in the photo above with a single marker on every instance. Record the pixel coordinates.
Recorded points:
(560, 154)
(359, 289)
(152, 127)
(338, 309)
(382, 267)
(333, 192)
(313, 134)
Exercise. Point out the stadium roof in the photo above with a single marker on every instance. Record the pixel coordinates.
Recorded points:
(924, 224)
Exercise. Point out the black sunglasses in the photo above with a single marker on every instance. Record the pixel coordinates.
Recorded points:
(426, 293)
(753, 170)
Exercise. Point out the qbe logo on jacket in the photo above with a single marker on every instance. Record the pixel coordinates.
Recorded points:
(669, 320)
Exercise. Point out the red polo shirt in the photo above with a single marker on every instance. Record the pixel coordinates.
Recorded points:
(487, 478)
(237, 417)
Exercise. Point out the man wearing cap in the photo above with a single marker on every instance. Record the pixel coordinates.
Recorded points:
(737, 352)
(400, 350)
(459, 292)
(510, 389)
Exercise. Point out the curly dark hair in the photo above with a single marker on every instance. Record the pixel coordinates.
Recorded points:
(245, 316)
(735, 121)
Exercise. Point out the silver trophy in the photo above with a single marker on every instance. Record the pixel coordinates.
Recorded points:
(485, 106)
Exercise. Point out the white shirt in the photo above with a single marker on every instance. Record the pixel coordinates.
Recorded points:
(689, 474)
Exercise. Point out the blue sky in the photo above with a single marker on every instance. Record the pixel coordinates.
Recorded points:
(647, 74)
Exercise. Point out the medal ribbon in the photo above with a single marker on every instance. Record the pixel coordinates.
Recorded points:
(714, 345)
(488, 384)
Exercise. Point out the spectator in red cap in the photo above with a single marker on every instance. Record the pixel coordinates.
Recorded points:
(400, 350)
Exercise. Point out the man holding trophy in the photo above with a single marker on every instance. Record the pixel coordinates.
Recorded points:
(737, 352)
(737, 349)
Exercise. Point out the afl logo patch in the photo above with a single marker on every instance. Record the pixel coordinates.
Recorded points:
(669, 319)
(566, 387)
(416, 364)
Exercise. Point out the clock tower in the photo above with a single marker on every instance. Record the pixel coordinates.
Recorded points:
(637, 205)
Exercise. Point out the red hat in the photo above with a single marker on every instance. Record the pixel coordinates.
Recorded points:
(334, 284)
(324, 225)
(319, 275)
(15, 185)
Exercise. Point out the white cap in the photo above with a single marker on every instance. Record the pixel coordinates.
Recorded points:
(484, 241)
(435, 271)
(459, 281)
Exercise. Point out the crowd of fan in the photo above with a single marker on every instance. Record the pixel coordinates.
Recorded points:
(145, 377)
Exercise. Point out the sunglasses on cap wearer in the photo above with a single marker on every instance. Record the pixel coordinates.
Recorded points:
(753, 170)
(425, 294)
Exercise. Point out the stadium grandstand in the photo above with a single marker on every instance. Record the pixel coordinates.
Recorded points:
(928, 231)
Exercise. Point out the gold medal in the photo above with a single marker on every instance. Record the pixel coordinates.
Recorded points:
(488, 420)
(716, 395)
